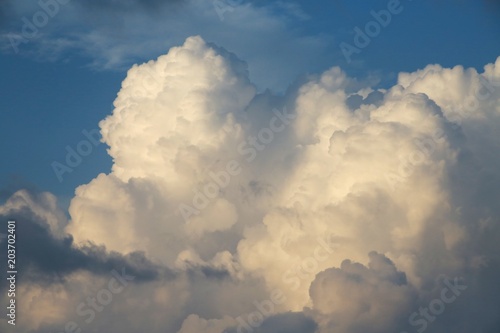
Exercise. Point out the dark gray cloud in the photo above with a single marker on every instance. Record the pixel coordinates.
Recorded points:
(291, 322)
(211, 272)
(42, 258)
(288, 323)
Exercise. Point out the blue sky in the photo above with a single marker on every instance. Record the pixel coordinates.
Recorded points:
(49, 96)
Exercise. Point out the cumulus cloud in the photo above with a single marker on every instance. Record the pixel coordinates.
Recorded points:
(337, 207)
(58, 279)
(356, 298)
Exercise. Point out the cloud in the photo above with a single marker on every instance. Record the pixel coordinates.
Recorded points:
(356, 298)
(46, 254)
(194, 324)
(335, 207)
(113, 35)
(382, 161)
(210, 108)
(56, 278)
(290, 322)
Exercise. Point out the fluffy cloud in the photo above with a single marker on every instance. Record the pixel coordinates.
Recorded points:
(355, 298)
(60, 282)
(156, 159)
(333, 208)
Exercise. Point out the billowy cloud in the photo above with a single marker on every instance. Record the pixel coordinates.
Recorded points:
(334, 208)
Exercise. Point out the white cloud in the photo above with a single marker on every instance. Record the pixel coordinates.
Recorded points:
(397, 174)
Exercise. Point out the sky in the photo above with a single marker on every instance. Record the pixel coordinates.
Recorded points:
(251, 166)
(74, 65)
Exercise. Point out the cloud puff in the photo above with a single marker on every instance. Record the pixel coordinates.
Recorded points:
(356, 298)
(191, 90)
(336, 207)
